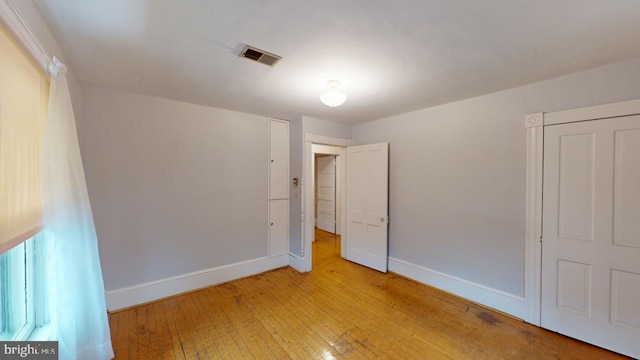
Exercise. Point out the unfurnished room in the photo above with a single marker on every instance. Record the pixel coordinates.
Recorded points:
(355, 179)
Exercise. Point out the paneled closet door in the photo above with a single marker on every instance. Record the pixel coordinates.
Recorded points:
(591, 241)
(278, 159)
(278, 188)
(278, 227)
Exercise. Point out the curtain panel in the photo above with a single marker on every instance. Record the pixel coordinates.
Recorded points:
(77, 299)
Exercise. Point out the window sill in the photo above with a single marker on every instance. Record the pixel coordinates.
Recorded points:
(42, 333)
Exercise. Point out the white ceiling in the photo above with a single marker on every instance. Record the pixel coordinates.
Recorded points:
(391, 56)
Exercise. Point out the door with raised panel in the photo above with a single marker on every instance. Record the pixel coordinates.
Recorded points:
(326, 193)
(278, 227)
(278, 159)
(367, 205)
(591, 232)
(278, 188)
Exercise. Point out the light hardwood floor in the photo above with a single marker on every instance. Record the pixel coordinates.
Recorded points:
(339, 310)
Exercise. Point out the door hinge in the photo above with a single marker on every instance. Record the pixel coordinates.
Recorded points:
(540, 239)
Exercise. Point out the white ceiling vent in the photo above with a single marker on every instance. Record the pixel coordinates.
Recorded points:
(260, 56)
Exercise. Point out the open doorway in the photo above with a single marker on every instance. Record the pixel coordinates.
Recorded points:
(327, 187)
(367, 241)
(334, 147)
(325, 192)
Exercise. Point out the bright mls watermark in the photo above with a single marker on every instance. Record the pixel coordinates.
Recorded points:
(42, 350)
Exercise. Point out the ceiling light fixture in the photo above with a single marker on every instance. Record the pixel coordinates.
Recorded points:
(334, 97)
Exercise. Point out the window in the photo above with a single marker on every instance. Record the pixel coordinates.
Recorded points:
(13, 291)
(23, 107)
(22, 290)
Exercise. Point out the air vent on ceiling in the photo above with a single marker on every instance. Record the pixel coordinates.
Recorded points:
(260, 56)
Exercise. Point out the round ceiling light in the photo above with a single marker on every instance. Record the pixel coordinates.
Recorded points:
(333, 97)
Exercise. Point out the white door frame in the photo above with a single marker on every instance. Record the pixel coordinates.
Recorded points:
(307, 194)
(339, 157)
(535, 124)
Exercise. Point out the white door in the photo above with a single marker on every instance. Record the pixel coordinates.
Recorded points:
(591, 232)
(278, 159)
(367, 205)
(278, 227)
(326, 193)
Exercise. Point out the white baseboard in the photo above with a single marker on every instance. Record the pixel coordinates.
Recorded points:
(296, 262)
(139, 294)
(496, 299)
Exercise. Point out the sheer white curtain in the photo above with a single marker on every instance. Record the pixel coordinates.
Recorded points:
(76, 289)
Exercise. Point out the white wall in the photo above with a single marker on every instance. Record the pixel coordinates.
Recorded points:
(457, 174)
(325, 128)
(175, 188)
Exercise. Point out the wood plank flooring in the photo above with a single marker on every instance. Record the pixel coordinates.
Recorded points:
(338, 311)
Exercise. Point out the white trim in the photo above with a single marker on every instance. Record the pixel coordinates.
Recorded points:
(484, 295)
(533, 223)
(534, 120)
(624, 108)
(15, 24)
(307, 205)
(296, 262)
(326, 140)
(533, 214)
(155, 290)
(307, 193)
